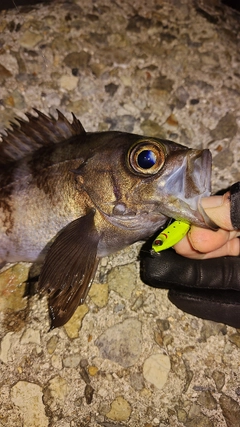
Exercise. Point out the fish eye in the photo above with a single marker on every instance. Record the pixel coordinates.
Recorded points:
(147, 157)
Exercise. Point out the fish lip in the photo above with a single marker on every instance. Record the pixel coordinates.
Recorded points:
(205, 169)
(183, 186)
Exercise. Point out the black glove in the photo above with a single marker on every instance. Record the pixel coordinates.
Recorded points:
(209, 288)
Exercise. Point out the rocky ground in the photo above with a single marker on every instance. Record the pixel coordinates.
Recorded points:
(128, 357)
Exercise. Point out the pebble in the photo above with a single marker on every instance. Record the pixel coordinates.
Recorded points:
(71, 361)
(121, 343)
(219, 378)
(120, 410)
(151, 128)
(68, 82)
(31, 336)
(156, 369)
(231, 410)
(207, 400)
(123, 280)
(4, 73)
(28, 398)
(235, 339)
(30, 39)
(57, 389)
(73, 326)
(99, 294)
(6, 343)
(77, 59)
(12, 288)
(52, 344)
(226, 127)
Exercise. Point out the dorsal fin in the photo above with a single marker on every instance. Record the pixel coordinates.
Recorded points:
(41, 130)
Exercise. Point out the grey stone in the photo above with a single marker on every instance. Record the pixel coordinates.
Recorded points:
(125, 123)
(163, 83)
(71, 361)
(231, 411)
(207, 400)
(121, 343)
(77, 59)
(219, 378)
(235, 339)
(224, 159)
(200, 421)
(4, 73)
(111, 88)
(123, 280)
(226, 127)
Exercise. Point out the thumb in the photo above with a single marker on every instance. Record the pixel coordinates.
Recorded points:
(218, 209)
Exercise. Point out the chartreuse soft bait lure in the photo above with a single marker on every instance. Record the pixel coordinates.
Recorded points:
(170, 235)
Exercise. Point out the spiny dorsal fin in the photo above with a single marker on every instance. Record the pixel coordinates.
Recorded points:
(41, 130)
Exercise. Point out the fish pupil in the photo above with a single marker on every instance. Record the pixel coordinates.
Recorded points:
(146, 159)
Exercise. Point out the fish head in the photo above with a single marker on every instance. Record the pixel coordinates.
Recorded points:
(138, 182)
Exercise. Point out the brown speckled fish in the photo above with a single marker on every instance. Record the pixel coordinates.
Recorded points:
(72, 197)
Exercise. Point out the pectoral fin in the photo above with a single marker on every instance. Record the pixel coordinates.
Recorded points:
(69, 268)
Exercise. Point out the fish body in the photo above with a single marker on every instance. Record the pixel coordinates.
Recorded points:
(69, 197)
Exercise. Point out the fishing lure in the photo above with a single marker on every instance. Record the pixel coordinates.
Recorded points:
(170, 235)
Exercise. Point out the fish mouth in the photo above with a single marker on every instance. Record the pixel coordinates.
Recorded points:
(185, 185)
(201, 173)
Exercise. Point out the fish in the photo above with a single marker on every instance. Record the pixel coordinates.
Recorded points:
(70, 197)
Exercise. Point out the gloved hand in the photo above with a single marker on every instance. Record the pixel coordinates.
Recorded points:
(205, 287)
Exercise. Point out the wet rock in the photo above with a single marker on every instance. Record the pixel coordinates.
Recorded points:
(28, 398)
(156, 369)
(123, 280)
(226, 127)
(122, 343)
(120, 410)
(99, 294)
(231, 411)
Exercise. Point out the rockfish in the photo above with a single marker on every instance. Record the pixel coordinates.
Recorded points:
(70, 197)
